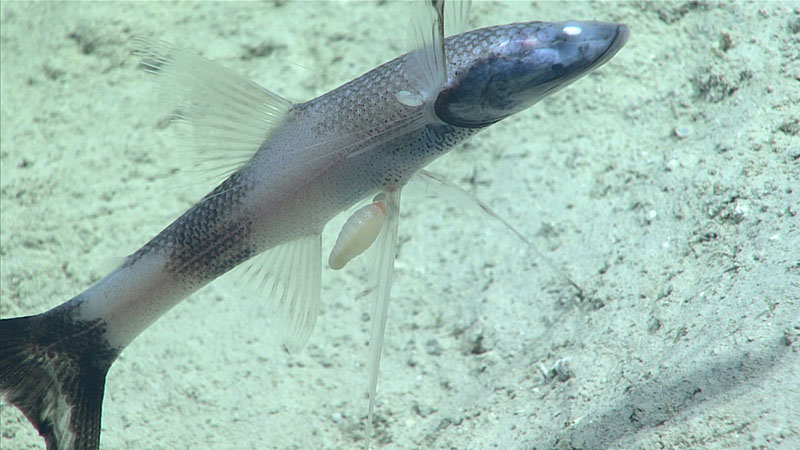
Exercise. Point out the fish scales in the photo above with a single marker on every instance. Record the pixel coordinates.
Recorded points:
(313, 161)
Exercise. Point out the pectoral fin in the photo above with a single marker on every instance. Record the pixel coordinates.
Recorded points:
(435, 185)
(426, 65)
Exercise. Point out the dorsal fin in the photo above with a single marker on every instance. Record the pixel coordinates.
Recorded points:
(224, 117)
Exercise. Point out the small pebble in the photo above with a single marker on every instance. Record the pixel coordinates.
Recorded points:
(433, 348)
(336, 417)
(682, 132)
(672, 164)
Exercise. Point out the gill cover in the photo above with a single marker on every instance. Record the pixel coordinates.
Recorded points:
(513, 67)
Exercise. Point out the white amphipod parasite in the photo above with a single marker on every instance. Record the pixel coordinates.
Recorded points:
(358, 233)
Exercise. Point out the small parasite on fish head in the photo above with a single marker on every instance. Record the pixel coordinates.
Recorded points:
(358, 233)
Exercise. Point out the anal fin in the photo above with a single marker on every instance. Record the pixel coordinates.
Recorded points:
(289, 276)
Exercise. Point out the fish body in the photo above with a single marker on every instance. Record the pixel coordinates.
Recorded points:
(317, 159)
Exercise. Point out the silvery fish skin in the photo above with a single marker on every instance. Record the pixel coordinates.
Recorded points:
(367, 137)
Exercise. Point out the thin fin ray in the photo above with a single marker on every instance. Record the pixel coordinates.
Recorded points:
(290, 277)
(456, 13)
(454, 191)
(385, 251)
(222, 115)
(426, 65)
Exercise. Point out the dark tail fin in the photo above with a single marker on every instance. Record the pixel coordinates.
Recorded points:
(53, 368)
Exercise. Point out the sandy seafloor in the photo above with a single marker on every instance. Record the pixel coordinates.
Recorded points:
(666, 184)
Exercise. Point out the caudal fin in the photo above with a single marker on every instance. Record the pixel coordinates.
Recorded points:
(53, 368)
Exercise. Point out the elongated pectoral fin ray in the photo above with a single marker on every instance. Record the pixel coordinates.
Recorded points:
(224, 117)
(385, 250)
(426, 65)
(289, 276)
(440, 186)
(437, 185)
(457, 16)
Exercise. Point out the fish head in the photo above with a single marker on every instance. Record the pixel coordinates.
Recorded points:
(498, 71)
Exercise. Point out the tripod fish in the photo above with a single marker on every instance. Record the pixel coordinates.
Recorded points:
(305, 163)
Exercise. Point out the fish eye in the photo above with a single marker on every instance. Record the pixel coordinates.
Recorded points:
(572, 30)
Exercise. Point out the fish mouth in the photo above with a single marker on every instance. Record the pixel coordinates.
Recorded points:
(620, 39)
